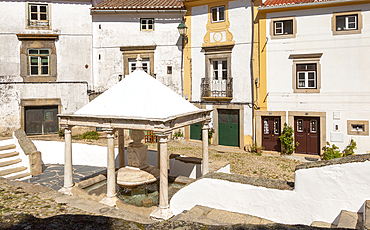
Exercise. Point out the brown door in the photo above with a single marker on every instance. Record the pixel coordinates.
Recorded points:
(307, 134)
(271, 133)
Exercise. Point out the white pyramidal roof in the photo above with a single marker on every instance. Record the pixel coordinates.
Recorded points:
(138, 95)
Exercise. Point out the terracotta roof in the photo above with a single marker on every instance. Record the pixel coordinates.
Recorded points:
(272, 3)
(139, 5)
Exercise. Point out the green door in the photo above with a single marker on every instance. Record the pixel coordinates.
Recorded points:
(196, 131)
(41, 120)
(228, 127)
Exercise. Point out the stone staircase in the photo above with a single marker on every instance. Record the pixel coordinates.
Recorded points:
(11, 165)
(349, 220)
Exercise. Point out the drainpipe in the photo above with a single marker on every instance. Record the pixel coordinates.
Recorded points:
(251, 72)
(182, 64)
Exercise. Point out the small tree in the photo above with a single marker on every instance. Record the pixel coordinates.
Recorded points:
(287, 140)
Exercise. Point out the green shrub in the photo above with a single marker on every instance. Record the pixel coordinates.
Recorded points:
(61, 133)
(349, 149)
(287, 140)
(331, 152)
(178, 134)
(90, 136)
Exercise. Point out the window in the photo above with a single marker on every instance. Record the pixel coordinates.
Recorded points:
(283, 27)
(306, 76)
(38, 15)
(219, 78)
(300, 125)
(217, 85)
(147, 24)
(132, 65)
(38, 61)
(306, 73)
(130, 53)
(357, 127)
(218, 14)
(169, 69)
(347, 23)
(313, 126)
(276, 126)
(219, 70)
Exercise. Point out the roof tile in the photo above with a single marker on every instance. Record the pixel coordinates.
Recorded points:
(272, 3)
(139, 5)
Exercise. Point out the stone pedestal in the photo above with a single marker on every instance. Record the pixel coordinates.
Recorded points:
(137, 152)
(161, 213)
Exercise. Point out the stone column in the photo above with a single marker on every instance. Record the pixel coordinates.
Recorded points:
(121, 148)
(68, 168)
(205, 160)
(158, 154)
(163, 212)
(111, 197)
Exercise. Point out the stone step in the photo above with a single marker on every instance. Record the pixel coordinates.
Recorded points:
(322, 224)
(12, 170)
(11, 162)
(366, 216)
(11, 154)
(19, 176)
(7, 147)
(350, 220)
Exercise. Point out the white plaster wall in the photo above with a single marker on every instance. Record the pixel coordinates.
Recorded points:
(240, 27)
(119, 30)
(344, 81)
(52, 152)
(320, 194)
(199, 20)
(71, 20)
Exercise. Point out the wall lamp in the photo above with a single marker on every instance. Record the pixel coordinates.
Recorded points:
(182, 28)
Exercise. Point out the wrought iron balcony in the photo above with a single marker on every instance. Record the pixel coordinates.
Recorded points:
(217, 89)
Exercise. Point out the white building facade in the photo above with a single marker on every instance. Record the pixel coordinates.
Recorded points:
(122, 30)
(218, 57)
(45, 66)
(316, 70)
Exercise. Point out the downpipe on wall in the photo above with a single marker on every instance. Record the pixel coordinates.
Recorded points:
(251, 73)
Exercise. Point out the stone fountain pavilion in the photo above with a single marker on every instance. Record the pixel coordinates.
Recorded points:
(138, 103)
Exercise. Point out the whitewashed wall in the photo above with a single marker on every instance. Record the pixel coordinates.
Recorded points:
(344, 75)
(71, 20)
(123, 29)
(319, 195)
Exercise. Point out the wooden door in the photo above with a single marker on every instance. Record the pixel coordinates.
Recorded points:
(196, 131)
(271, 132)
(307, 134)
(228, 127)
(41, 120)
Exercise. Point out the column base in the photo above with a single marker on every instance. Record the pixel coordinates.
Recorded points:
(67, 191)
(161, 214)
(110, 201)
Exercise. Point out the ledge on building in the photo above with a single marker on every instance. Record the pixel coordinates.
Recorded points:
(217, 98)
(37, 36)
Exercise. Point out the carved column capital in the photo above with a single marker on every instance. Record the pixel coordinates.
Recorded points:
(162, 136)
(110, 132)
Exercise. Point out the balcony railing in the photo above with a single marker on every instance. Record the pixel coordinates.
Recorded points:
(213, 89)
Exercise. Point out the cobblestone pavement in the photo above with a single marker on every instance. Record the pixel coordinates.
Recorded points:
(27, 200)
(53, 175)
